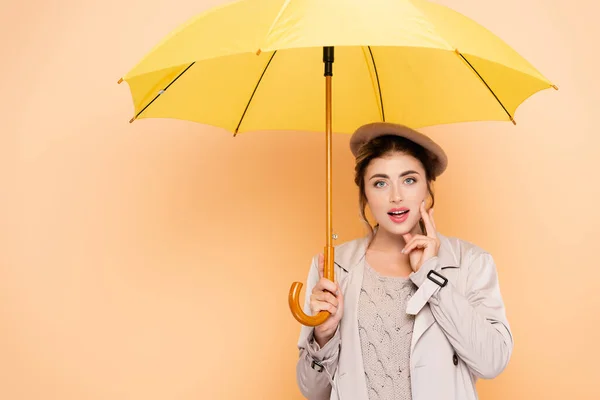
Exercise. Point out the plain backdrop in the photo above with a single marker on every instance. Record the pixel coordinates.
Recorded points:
(153, 260)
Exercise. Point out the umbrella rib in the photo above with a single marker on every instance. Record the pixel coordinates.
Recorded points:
(163, 90)
(378, 84)
(253, 92)
(487, 86)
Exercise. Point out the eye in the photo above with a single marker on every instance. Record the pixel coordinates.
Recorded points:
(410, 181)
(376, 184)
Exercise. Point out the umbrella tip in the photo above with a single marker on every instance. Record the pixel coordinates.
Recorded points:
(131, 120)
(513, 121)
(554, 87)
(120, 80)
(258, 52)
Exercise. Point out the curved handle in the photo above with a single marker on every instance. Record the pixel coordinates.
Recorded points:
(298, 313)
(294, 297)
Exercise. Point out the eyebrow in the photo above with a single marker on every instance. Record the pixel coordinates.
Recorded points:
(400, 176)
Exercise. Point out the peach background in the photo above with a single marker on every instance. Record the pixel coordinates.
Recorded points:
(119, 241)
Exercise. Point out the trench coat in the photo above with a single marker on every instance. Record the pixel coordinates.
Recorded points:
(460, 334)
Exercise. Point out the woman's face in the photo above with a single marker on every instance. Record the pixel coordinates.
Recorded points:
(395, 186)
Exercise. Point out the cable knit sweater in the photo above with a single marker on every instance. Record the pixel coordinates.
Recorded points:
(385, 334)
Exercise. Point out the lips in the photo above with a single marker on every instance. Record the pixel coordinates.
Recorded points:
(398, 215)
(398, 211)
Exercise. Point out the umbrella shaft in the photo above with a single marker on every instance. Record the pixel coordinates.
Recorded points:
(329, 252)
(328, 148)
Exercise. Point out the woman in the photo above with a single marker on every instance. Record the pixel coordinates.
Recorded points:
(414, 314)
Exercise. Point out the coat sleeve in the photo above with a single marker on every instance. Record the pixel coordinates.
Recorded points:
(474, 323)
(312, 383)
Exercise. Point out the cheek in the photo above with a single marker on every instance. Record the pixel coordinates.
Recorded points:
(375, 199)
(417, 192)
(418, 195)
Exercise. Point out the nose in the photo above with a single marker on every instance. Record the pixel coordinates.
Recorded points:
(395, 195)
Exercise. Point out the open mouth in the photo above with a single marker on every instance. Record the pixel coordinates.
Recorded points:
(398, 216)
(398, 213)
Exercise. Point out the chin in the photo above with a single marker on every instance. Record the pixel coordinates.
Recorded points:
(398, 229)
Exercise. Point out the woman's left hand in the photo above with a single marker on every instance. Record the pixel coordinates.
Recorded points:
(421, 248)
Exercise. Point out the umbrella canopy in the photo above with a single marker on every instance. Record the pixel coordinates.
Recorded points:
(258, 65)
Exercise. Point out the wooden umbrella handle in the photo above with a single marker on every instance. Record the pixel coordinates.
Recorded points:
(294, 297)
(328, 254)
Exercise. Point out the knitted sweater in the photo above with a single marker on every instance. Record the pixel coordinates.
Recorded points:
(385, 334)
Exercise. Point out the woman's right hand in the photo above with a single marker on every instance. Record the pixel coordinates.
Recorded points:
(326, 296)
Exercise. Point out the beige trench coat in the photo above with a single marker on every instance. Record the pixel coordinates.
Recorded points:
(460, 334)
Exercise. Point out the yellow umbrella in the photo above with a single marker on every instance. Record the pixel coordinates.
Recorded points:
(258, 65)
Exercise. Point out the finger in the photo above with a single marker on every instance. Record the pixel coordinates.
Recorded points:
(325, 297)
(416, 237)
(407, 237)
(318, 306)
(340, 296)
(331, 308)
(325, 284)
(338, 290)
(432, 220)
(429, 229)
(417, 244)
(321, 266)
(420, 238)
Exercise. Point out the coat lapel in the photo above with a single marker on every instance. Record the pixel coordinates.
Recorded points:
(424, 319)
(351, 374)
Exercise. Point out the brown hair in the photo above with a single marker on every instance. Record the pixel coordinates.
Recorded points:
(382, 146)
